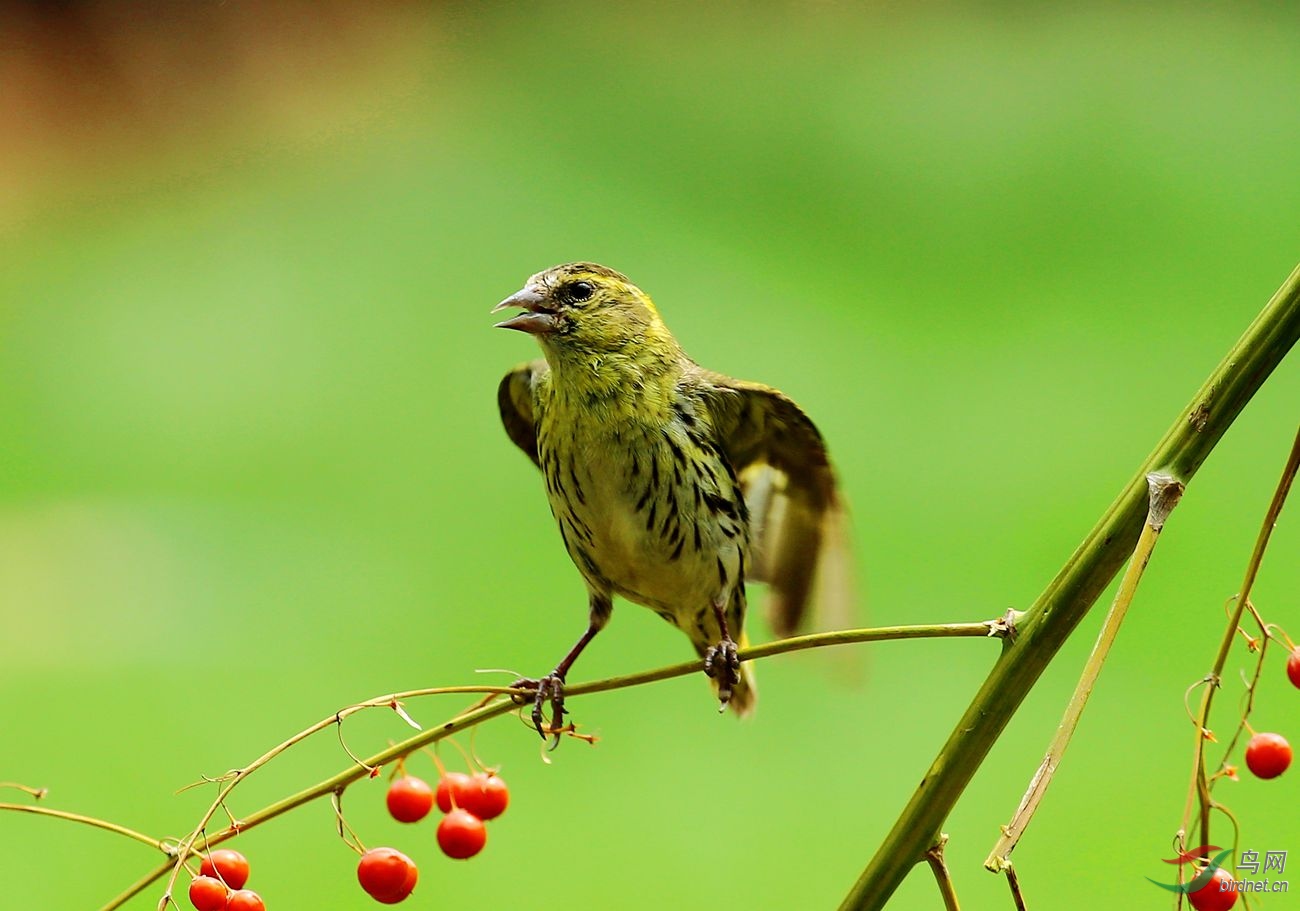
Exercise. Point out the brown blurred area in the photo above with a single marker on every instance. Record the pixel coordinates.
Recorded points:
(91, 90)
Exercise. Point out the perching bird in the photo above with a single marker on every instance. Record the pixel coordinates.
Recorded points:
(671, 484)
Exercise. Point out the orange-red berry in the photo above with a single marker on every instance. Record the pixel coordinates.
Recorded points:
(387, 875)
(485, 795)
(451, 787)
(1212, 896)
(230, 867)
(245, 900)
(409, 799)
(461, 834)
(208, 894)
(1268, 755)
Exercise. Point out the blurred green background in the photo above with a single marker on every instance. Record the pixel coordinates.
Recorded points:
(251, 468)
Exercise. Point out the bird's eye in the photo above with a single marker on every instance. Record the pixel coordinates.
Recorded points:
(580, 291)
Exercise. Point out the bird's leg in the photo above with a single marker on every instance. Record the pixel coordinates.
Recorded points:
(551, 687)
(723, 660)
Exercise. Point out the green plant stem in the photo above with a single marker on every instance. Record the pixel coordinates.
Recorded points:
(1068, 597)
(1164, 495)
(338, 782)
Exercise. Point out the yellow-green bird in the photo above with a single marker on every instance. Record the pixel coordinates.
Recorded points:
(671, 484)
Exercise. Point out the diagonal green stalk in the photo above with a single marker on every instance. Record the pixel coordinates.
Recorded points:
(1068, 597)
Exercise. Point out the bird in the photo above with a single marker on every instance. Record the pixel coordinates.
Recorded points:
(670, 484)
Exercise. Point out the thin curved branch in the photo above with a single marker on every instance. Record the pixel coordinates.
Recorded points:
(156, 843)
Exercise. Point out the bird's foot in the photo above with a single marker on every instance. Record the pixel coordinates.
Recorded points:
(722, 662)
(544, 689)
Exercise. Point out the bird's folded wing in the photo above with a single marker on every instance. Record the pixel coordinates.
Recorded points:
(515, 399)
(798, 529)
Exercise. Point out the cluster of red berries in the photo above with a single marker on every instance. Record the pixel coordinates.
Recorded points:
(1268, 755)
(220, 884)
(388, 875)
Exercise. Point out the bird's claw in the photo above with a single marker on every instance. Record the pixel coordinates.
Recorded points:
(545, 689)
(722, 662)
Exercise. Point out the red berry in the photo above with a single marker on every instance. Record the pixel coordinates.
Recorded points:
(461, 834)
(1212, 896)
(1293, 667)
(387, 875)
(485, 795)
(1268, 755)
(230, 867)
(451, 787)
(409, 799)
(208, 894)
(245, 900)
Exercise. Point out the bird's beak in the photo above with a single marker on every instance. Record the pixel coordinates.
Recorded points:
(535, 319)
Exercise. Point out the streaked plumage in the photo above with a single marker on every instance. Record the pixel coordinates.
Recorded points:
(671, 484)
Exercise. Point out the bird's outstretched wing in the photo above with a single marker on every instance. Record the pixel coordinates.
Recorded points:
(515, 399)
(798, 529)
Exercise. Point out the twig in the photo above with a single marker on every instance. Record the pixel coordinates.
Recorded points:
(1251, 688)
(1199, 791)
(1164, 493)
(36, 793)
(157, 843)
(1014, 882)
(942, 876)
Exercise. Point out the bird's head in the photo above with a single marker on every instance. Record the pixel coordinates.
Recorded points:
(584, 307)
